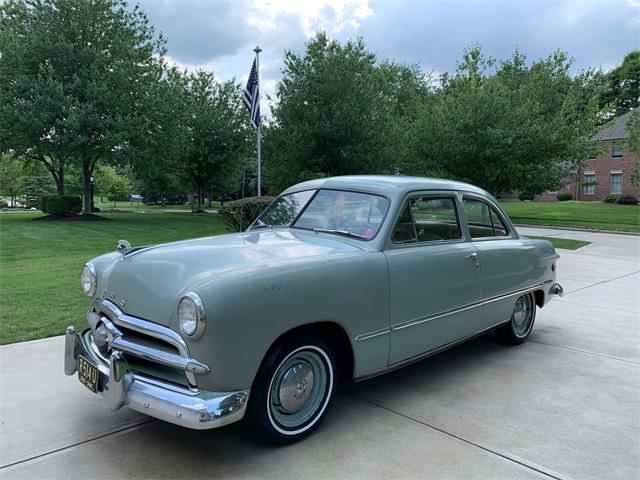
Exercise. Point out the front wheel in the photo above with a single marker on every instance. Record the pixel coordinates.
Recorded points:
(519, 327)
(292, 390)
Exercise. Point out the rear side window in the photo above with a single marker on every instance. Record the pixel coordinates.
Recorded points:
(483, 220)
(428, 219)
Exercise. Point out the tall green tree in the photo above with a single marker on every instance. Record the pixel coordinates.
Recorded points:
(11, 177)
(215, 133)
(510, 125)
(36, 182)
(77, 79)
(328, 115)
(622, 91)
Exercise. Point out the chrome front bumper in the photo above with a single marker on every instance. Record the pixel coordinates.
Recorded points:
(191, 408)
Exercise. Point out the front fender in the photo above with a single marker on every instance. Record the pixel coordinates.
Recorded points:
(248, 310)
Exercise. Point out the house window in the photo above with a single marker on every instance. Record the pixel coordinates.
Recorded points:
(616, 183)
(589, 183)
(618, 150)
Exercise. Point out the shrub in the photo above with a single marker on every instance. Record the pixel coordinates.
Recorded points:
(242, 213)
(523, 196)
(61, 205)
(3, 204)
(611, 198)
(627, 200)
(564, 196)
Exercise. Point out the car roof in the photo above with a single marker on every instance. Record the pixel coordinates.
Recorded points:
(392, 186)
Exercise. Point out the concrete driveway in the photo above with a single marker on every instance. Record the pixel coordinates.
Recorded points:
(566, 404)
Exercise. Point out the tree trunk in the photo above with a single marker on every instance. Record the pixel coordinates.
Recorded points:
(87, 171)
(198, 198)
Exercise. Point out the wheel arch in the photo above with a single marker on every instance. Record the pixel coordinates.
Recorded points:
(331, 333)
(538, 297)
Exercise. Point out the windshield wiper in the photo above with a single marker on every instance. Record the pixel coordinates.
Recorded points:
(346, 233)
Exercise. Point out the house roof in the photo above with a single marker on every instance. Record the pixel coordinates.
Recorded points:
(617, 128)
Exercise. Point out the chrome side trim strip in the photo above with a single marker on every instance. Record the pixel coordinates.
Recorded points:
(418, 321)
(430, 353)
(375, 333)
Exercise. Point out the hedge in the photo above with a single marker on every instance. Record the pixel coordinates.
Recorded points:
(627, 200)
(239, 214)
(564, 196)
(610, 198)
(61, 205)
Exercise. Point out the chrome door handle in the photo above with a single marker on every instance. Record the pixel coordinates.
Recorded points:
(473, 255)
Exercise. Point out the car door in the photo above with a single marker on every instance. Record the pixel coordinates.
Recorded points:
(434, 277)
(506, 263)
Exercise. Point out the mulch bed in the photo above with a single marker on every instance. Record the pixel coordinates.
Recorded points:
(74, 218)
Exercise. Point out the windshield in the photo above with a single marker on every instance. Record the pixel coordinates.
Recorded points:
(284, 210)
(344, 213)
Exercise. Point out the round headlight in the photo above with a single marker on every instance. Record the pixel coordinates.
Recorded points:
(191, 318)
(88, 279)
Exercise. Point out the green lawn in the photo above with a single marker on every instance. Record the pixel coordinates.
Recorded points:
(40, 263)
(139, 206)
(588, 215)
(566, 243)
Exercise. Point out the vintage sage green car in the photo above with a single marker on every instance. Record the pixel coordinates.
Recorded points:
(347, 276)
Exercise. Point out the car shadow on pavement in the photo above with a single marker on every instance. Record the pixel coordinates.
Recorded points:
(348, 430)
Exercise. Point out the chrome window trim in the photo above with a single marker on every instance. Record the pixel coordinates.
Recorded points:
(292, 225)
(435, 316)
(479, 198)
(453, 194)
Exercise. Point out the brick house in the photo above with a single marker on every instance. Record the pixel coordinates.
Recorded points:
(608, 172)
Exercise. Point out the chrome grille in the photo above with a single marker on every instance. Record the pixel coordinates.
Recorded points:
(143, 340)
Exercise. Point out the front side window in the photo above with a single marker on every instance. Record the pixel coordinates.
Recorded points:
(427, 219)
(346, 213)
(483, 220)
(616, 183)
(590, 184)
(284, 210)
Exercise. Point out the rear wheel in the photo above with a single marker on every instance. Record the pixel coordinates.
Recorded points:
(292, 390)
(519, 327)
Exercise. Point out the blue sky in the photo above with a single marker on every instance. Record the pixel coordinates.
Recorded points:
(219, 35)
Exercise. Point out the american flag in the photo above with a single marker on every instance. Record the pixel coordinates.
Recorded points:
(251, 96)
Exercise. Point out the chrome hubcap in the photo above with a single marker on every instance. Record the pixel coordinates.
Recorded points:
(299, 389)
(522, 317)
(520, 312)
(296, 387)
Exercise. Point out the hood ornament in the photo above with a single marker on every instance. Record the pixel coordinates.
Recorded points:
(123, 247)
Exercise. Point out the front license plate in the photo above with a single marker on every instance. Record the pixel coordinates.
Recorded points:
(88, 374)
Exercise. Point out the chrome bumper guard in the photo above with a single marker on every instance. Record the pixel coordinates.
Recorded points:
(556, 289)
(197, 409)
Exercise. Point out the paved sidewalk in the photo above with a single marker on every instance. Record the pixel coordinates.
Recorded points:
(566, 404)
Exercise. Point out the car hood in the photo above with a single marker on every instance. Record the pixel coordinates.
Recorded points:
(148, 282)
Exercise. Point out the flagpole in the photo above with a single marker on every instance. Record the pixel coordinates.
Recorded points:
(258, 50)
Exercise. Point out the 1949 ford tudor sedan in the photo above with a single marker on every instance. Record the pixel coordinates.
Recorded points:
(350, 276)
